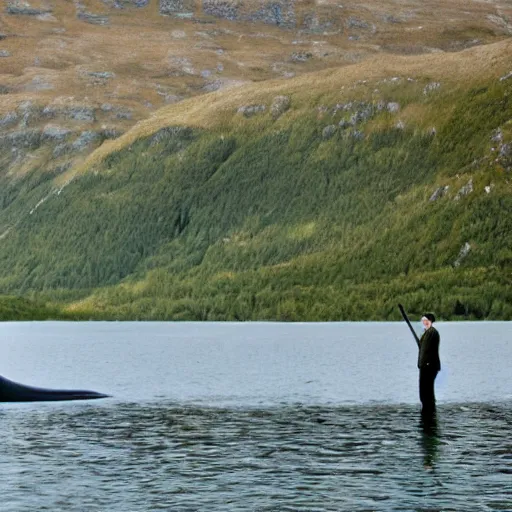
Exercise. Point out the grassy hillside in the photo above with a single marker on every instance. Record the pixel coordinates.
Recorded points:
(20, 308)
(311, 199)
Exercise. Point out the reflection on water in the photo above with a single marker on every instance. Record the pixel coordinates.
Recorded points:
(170, 456)
(430, 439)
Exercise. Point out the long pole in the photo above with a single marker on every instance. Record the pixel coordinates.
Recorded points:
(406, 318)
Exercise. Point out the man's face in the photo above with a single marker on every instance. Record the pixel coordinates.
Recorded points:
(427, 324)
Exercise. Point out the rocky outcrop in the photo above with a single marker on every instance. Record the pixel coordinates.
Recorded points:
(502, 149)
(107, 107)
(76, 112)
(361, 115)
(281, 13)
(5, 53)
(110, 133)
(301, 56)
(505, 155)
(24, 8)
(226, 9)
(439, 192)
(316, 18)
(181, 8)
(464, 252)
(124, 113)
(94, 19)
(123, 4)
(279, 106)
(393, 107)
(465, 190)
(318, 22)
(431, 87)
(54, 132)
(273, 12)
(360, 24)
(497, 136)
(30, 113)
(277, 12)
(117, 112)
(356, 113)
(328, 132)
(27, 139)
(251, 110)
(101, 75)
(84, 140)
(180, 66)
(502, 22)
(61, 149)
(9, 119)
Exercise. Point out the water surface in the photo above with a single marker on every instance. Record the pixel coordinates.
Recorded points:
(255, 417)
(257, 364)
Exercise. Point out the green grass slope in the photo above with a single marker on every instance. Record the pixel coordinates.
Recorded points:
(322, 211)
(22, 309)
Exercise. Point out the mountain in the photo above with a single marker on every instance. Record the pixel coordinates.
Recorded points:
(351, 157)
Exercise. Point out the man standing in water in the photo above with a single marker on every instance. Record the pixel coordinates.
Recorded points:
(429, 364)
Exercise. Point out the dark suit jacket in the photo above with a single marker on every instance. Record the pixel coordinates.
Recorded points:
(429, 350)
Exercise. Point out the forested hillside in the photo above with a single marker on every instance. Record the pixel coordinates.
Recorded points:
(331, 196)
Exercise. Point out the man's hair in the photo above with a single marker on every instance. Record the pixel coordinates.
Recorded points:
(430, 316)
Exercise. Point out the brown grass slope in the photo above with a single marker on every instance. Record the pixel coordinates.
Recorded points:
(155, 58)
(456, 70)
(139, 60)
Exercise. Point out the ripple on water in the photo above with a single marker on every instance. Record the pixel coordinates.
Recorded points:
(167, 456)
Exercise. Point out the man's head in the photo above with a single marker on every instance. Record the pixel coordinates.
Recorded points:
(427, 320)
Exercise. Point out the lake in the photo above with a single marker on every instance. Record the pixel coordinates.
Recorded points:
(255, 417)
